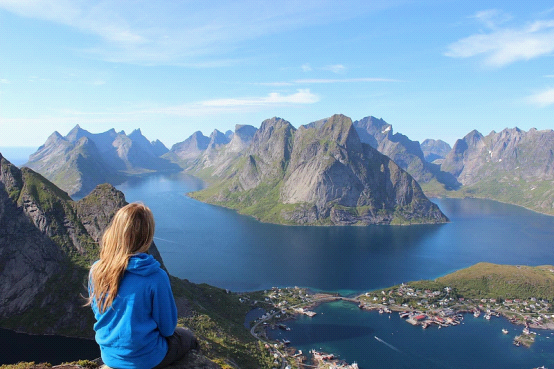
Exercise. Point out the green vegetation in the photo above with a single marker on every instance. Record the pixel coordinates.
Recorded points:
(485, 280)
(217, 318)
(26, 365)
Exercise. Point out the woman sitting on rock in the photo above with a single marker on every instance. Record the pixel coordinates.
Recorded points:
(130, 295)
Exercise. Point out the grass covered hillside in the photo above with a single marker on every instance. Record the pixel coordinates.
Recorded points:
(493, 281)
(485, 280)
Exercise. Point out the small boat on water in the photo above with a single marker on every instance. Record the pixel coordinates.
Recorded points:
(504, 330)
(476, 313)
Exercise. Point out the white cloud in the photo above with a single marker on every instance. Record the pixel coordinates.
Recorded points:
(4, 81)
(306, 67)
(184, 32)
(492, 17)
(275, 84)
(337, 68)
(303, 96)
(505, 46)
(345, 80)
(542, 99)
(237, 105)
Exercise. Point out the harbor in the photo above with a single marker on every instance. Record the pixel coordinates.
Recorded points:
(285, 308)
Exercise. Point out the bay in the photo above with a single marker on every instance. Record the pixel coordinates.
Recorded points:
(205, 243)
(210, 244)
(376, 340)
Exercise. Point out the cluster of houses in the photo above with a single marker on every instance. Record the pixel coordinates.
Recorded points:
(442, 307)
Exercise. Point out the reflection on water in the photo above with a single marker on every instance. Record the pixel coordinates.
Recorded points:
(206, 243)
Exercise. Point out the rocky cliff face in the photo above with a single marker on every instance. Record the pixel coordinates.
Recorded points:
(511, 152)
(47, 243)
(512, 165)
(320, 174)
(435, 149)
(406, 153)
(81, 160)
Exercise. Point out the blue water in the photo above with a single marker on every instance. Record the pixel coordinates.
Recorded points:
(205, 243)
(343, 329)
(17, 155)
(209, 244)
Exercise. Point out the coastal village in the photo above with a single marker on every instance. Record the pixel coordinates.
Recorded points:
(423, 307)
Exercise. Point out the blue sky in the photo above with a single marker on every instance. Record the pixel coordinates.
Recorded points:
(432, 69)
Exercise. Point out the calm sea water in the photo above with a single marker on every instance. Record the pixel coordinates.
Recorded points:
(205, 243)
(343, 329)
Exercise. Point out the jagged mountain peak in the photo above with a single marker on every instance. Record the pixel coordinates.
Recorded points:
(340, 129)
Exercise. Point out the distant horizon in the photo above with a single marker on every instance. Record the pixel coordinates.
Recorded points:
(430, 69)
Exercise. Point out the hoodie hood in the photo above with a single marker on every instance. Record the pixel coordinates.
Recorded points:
(142, 264)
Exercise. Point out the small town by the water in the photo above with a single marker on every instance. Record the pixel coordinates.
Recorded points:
(419, 307)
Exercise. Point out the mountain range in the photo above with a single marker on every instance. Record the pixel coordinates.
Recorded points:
(81, 160)
(317, 174)
(512, 166)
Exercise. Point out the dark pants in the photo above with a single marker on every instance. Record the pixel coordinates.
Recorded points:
(179, 343)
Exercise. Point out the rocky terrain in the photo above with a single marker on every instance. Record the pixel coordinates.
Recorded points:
(318, 174)
(406, 153)
(81, 160)
(435, 149)
(47, 244)
(512, 166)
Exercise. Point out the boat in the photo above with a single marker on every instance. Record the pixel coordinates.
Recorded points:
(476, 313)
(285, 341)
(504, 330)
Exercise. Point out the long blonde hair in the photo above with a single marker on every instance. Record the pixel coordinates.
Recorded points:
(130, 232)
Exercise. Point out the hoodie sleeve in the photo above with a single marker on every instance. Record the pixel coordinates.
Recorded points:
(164, 311)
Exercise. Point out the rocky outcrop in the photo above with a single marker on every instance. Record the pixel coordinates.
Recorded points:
(81, 160)
(320, 174)
(512, 152)
(435, 149)
(512, 166)
(191, 148)
(406, 153)
(47, 243)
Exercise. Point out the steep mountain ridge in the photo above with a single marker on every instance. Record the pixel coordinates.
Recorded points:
(512, 166)
(319, 174)
(47, 244)
(81, 160)
(435, 149)
(403, 151)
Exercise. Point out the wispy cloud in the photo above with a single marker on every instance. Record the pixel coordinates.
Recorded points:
(543, 98)
(4, 81)
(218, 106)
(492, 17)
(183, 33)
(503, 46)
(306, 67)
(345, 80)
(337, 68)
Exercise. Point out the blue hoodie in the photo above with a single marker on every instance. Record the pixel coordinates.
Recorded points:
(131, 333)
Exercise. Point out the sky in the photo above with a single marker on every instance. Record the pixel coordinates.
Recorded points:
(432, 69)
